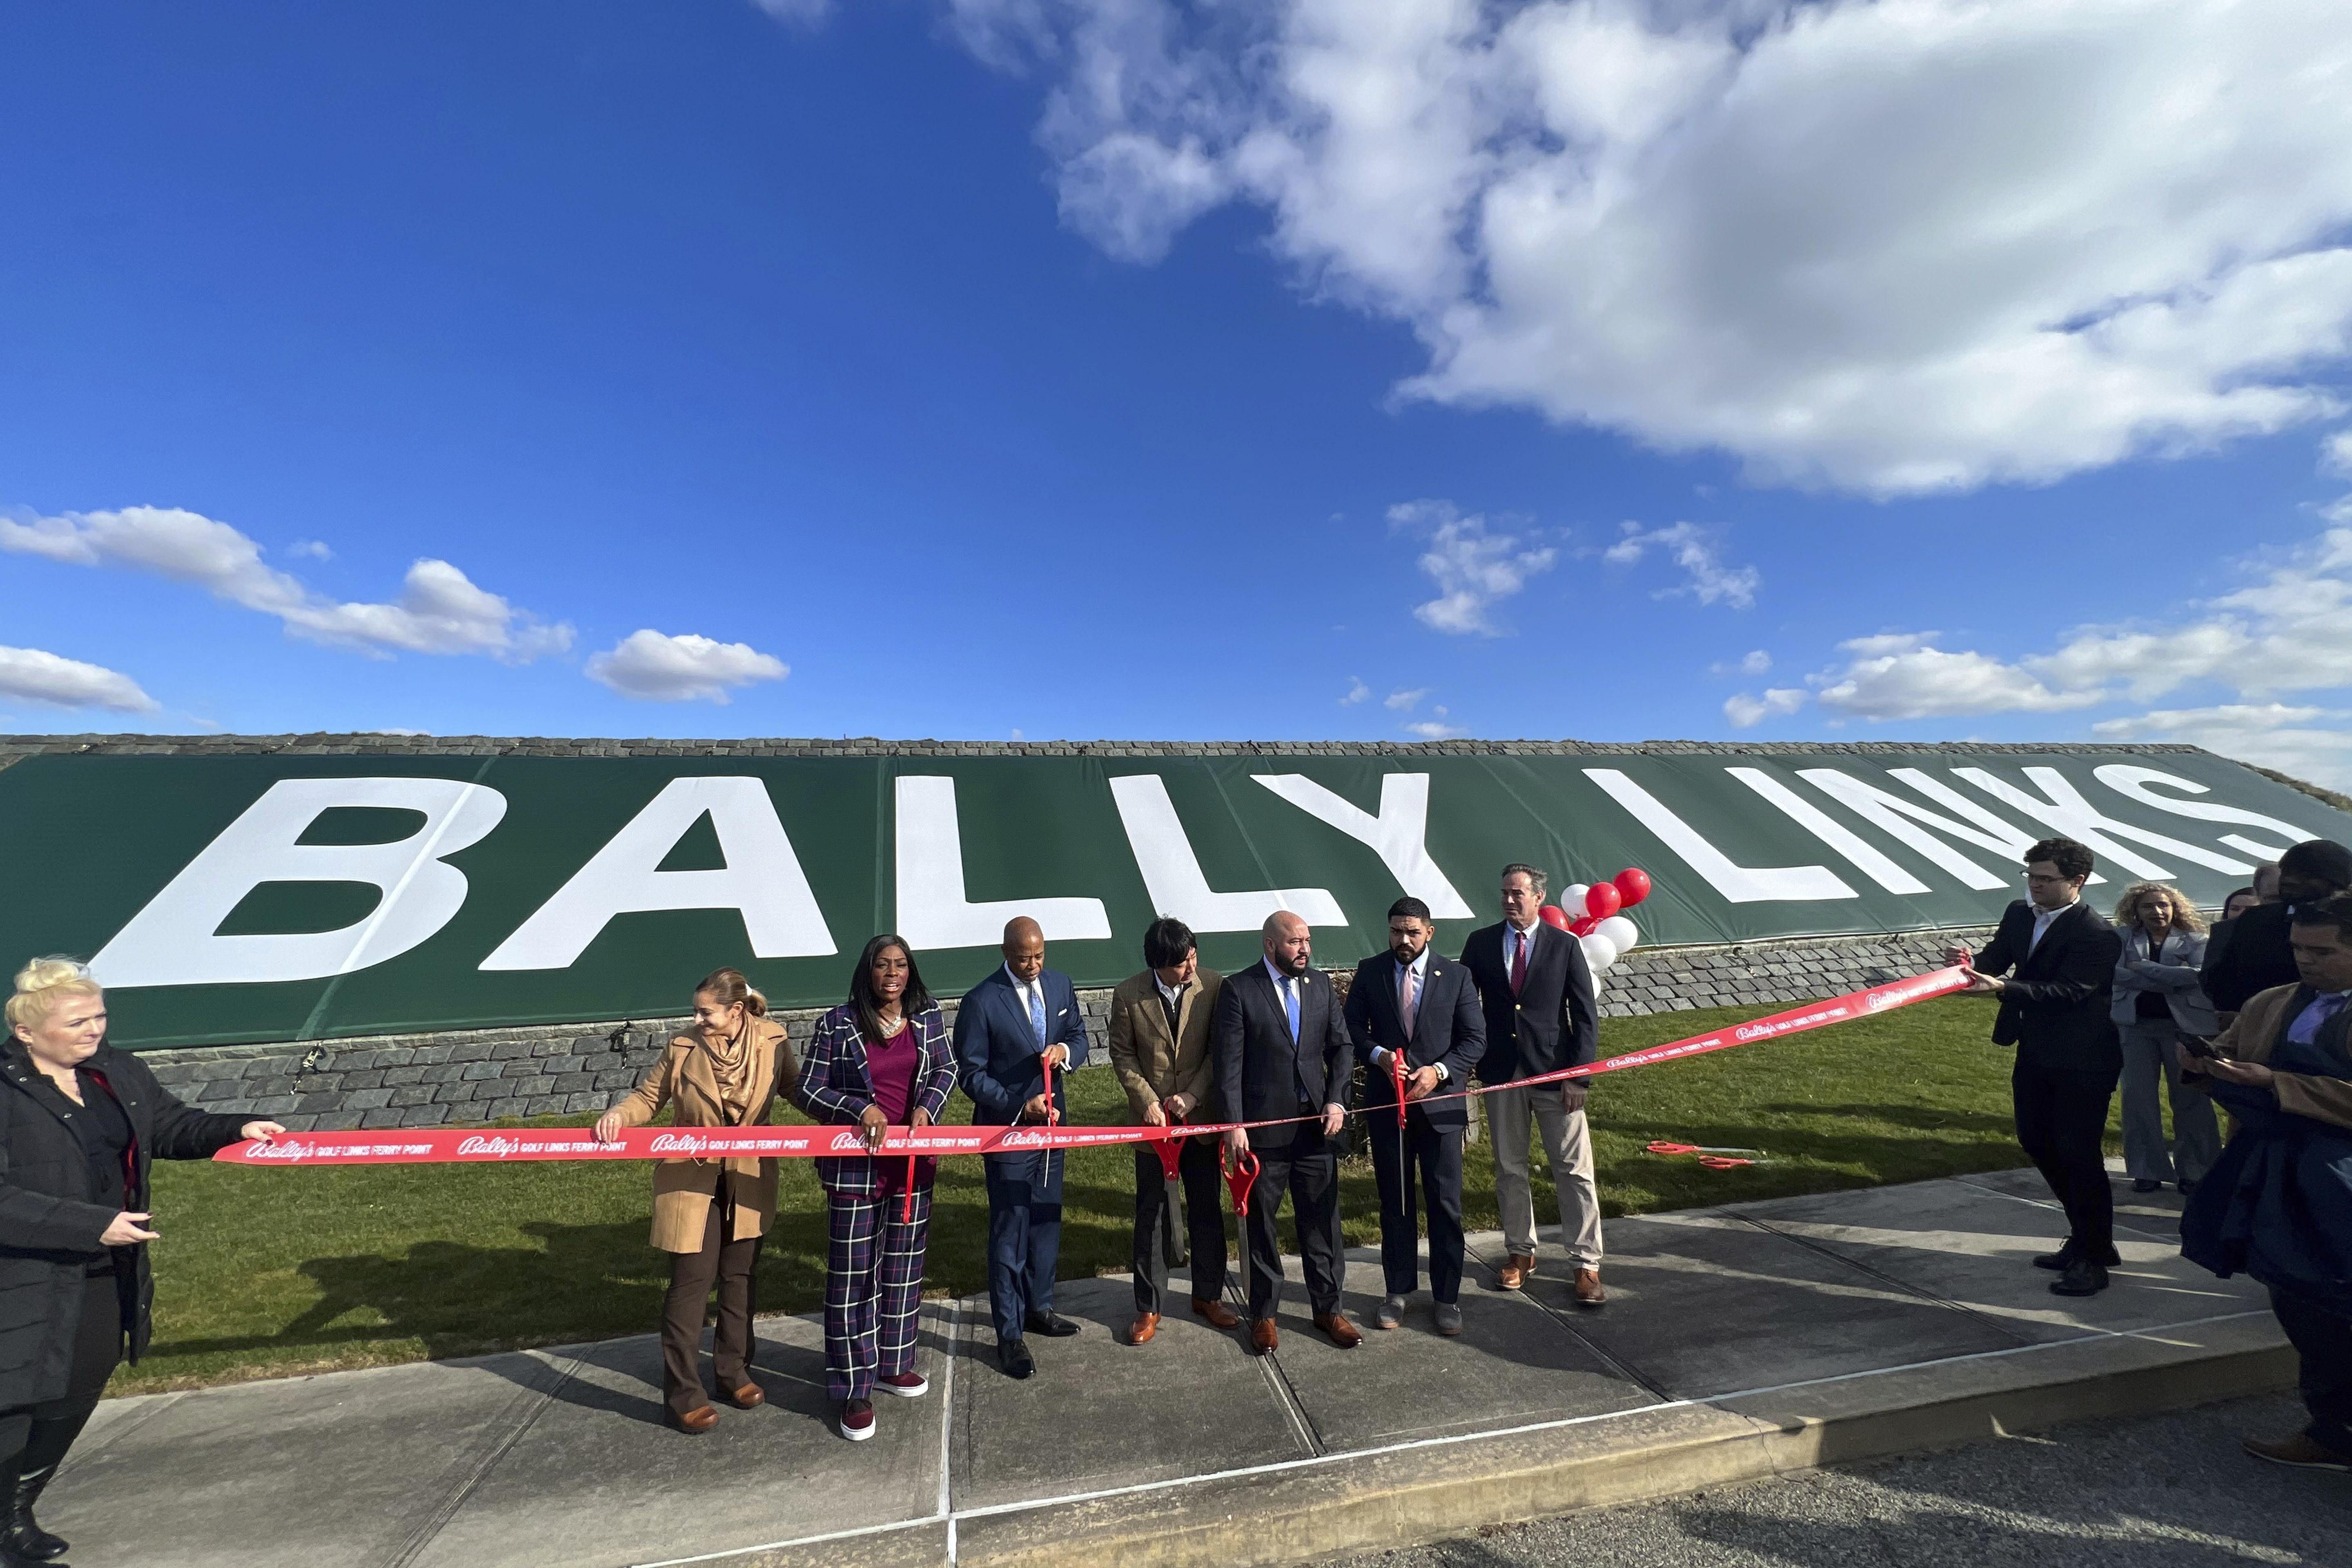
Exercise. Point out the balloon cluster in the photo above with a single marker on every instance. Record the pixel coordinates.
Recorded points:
(1606, 934)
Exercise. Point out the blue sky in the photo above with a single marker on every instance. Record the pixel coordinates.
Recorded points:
(885, 345)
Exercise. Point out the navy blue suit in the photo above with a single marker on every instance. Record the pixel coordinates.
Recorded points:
(1449, 1028)
(1001, 1060)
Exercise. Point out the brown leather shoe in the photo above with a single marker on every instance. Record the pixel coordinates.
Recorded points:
(1218, 1314)
(1263, 1339)
(1514, 1272)
(1146, 1325)
(2301, 1451)
(1342, 1333)
(748, 1397)
(701, 1418)
(1589, 1292)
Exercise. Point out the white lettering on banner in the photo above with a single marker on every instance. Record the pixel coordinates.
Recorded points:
(2138, 783)
(2066, 811)
(172, 940)
(933, 909)
(1398, 835)
(762, 880)
(1945, 796)
(1738, 884)
(1817, 822)
(1173, 874)
(1887, 813)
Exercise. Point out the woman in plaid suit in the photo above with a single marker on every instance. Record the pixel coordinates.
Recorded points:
(880, 1060)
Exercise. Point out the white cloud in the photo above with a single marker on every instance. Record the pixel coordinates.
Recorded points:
(2336, 453)
(1746, 712)
(1906, 677)
(2293, 740)
(1357, 693)
(1692, 549)
(315, 550)
(439, 611)
(1404, 702)
(1472, 569)
(1435, 728)
(1756, 662)
(800, 12)
(1893, 245)
(30, 675)
(655, 668)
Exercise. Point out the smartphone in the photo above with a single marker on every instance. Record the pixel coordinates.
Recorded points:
(2191, 1045)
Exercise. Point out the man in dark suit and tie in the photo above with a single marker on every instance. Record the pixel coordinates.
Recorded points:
(1010, 1028)
(1283, 1056)
(1412, 1014)
(2059, 958)
(1537, 992)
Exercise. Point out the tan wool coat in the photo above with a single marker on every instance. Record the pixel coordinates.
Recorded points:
(1153, 1064)
(683, 1188)
(2256, 1033)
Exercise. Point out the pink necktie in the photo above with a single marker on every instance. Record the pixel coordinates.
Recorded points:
(1407, 1000)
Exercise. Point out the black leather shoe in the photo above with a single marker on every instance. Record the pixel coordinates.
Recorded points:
(23, 1539)
(1049, 1325)
(2064, 1257)
(2083, 1278)
(2186, 1188)
(2145, 1185)
(1014, 1357)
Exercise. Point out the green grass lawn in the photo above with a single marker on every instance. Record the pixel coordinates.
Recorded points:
(264, 1272)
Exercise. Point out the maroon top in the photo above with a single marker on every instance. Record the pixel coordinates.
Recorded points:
(891, 1067)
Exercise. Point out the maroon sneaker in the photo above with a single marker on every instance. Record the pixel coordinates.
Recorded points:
(858, 1419)
(905, 1384)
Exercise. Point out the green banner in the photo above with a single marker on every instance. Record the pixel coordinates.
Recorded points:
(233, 899)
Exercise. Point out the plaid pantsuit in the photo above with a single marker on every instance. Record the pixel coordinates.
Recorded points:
(872, 1291)
(874, 1265)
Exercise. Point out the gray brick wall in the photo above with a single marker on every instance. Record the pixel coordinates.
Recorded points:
(578, 1070)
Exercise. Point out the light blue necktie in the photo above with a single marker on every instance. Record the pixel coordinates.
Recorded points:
(1290, 1005)
(2306, 1028)
(1037, 1011)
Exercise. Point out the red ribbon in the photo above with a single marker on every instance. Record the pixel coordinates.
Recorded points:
(442, 1145)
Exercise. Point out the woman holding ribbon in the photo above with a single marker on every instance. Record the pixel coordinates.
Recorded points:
(710, 1215)
(878, 1061)
(80, 1122)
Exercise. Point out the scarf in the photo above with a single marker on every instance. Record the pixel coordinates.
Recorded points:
(730, 1064)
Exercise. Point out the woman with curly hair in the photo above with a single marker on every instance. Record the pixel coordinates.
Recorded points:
(2158, 999)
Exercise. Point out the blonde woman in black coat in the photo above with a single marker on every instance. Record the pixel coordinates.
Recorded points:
(79, 1122)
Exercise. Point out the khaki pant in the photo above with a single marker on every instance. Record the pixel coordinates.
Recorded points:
(1569, 1145)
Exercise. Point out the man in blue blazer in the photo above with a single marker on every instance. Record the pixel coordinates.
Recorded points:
(1281, 1055)
(1009, 1028)
(1411, 1011)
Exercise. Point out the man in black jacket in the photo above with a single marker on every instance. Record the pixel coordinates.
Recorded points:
(2059, 956)
(1538, 994)
(1282, 1056)
(2250, 954)
(1415, 1017)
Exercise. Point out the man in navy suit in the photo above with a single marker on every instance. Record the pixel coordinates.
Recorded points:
(1010, 1028)
(1283, 1056)
(1537, 992)
(1411, 1011)
(2053, 964)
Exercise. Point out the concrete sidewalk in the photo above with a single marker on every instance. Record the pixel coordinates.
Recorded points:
(1741, 1342)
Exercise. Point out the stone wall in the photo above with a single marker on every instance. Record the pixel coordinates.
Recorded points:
(458, 1079)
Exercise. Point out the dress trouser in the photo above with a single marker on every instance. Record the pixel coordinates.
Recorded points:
(1434, 1155)
(2150, 1057)
(34, 1437)
(1196, 1166)
(1307, 1169)
(872, 1288)
(2324, 1340)
(728, 1260)
(1568, 1142)
(2062, 1116)
(1025, 1245)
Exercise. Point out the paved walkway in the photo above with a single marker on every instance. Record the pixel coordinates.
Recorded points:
(1741, 1342)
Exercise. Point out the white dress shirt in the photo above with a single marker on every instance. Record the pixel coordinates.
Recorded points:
(2042, 918)
(1420, 967)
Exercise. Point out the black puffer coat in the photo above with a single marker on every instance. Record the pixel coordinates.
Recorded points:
(49, 1224)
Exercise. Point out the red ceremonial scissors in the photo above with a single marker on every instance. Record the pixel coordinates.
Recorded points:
(1713, 1159)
